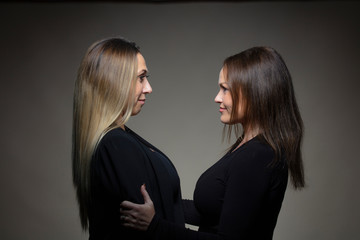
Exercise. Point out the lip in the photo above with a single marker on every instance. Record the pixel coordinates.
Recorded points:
(142, 101)
(222, 109)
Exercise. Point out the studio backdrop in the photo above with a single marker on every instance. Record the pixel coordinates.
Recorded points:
(184, 44)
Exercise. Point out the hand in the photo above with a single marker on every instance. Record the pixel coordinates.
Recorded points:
(137, 216)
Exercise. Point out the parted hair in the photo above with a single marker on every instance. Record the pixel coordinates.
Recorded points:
(103, 100)
(260, 81)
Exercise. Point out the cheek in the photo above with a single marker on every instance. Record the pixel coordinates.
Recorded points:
(138, 90)
(228, 101)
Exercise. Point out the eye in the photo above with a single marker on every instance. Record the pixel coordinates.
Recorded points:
(224, 89)
(143, 76)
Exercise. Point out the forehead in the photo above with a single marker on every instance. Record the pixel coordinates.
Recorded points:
(222, 78)
(141, 62)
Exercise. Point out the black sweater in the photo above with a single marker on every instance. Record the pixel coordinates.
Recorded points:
(239, 197)
(123, 161)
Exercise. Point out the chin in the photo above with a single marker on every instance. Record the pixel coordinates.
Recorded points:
(225, 121)
(135, 112)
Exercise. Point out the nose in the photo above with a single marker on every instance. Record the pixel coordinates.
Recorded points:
(218, 98)
(147, 87)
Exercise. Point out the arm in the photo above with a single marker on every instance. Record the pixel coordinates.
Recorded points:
(142, 217)
(137, 216)
(119, 166)
(247, 184)
(192, 216)
(117, 172)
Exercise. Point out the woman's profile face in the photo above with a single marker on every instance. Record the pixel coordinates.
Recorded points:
(224, 98)
(142, 85)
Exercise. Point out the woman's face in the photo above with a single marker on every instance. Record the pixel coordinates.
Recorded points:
(225, 100)
(142, 85)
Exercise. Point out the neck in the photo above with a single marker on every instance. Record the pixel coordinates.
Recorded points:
(122, 126)
(249, 133)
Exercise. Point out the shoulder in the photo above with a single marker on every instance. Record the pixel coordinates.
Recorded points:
(255, 153)
(116, 135)
(118, 140)
(257, 149)
(117, 151)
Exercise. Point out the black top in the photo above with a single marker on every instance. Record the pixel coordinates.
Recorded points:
(239, 197)
(122, 162)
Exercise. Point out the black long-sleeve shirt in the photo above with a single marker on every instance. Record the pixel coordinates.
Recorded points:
(239, 197)
(123, 161)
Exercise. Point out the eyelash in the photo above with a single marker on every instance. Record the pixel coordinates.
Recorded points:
(141, 77)
(224, 89)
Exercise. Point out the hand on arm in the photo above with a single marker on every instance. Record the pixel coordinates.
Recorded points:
(137, 216)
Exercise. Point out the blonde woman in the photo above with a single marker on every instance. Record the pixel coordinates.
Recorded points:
(240, 196)
(110, 161)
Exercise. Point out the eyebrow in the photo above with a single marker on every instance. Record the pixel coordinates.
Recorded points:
(142, 72)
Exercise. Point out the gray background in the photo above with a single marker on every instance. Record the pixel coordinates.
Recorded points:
(184, 45)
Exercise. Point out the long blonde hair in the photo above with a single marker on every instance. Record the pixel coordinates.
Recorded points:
(103, 100)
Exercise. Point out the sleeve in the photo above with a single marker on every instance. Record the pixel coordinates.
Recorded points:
(192, 216)
(248, 180)
(160, 229)
(248, 183)
(119, 165)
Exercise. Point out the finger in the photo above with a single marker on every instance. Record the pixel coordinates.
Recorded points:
(124, 211)
(145, 194)
(125, 224)
(133, 226)
(127, 219)
(128, 205)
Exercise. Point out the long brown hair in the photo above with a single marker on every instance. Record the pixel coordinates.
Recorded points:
(103, 94)
(260, 80)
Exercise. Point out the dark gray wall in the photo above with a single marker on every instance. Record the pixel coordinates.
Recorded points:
(184, 45)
